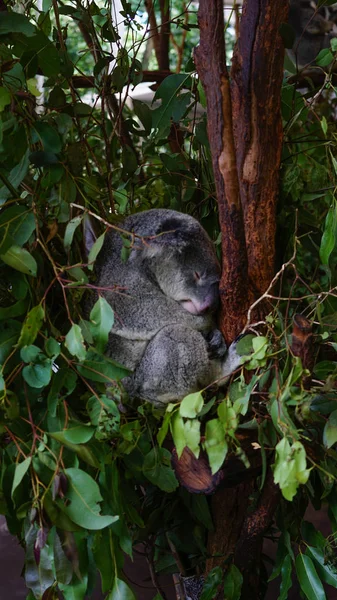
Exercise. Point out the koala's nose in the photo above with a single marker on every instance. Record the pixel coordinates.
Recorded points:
(211, 301)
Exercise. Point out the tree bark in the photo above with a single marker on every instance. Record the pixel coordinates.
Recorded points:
(210, 60)
(257, 73)
(245, 133)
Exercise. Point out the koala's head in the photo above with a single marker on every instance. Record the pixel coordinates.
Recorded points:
(182, 258)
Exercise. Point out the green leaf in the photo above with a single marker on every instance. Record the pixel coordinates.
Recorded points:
(13, 22)
(65, 380)
(63, 567)
(31, 326)
(101, 369)
(227, 416)
(15, 177)
(75, 435)
(5, 97)
(20, 471)
(75, 343)
(215, 444)
(21, 260)
(48, 136)
(286, 581)
(38, 374)
(324, 57)
(18, 222)
(38, 577)
(104, 414)
(9, 333)
(144, 114)
(102, 320)
(95, 249)
(121, 591)
(329, 235)
(191, 405)
(174, 103)
(233, 583)
(290, 467)
(308, 579)
(15, 310)
(192, 436)
(29, 353)
(212, 583)
(157, 469)
(330, 430)
(326, 570)
(178, 433)
(40, 158)
(69, 232)
(52, 348)
(83, 497)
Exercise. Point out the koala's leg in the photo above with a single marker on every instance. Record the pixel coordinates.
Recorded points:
(175, 363)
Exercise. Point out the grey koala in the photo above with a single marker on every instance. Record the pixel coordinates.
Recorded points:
(313, 27)
(164, 328)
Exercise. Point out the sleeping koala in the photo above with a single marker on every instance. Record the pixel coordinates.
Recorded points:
(164, 328)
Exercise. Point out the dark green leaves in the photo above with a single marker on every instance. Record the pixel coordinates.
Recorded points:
(308, 579)
(20, 259)
(38, 372)
(157, 469)
(75, 343)
(121, 591)
(83, 498)
(31, 326)
(14, 22)
(329, 235)
(102, 320)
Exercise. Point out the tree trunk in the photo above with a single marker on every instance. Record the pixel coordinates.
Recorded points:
(210, 60)
(245, 133)
(257, 73)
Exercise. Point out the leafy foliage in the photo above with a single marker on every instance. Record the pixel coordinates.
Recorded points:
(84, 476)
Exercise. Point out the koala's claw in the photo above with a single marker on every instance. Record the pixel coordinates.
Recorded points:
(216, 345)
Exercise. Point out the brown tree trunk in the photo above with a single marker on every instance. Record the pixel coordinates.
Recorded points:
(245, 133)
(210, 60)
(256, 92)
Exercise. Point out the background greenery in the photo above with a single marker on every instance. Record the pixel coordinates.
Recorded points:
(83, 477)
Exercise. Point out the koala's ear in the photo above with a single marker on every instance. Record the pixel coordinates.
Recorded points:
(172, 234)
(90, 233)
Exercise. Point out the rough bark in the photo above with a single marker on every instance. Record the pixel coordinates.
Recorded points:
(256, 90)
(245, 133)
(210, 60)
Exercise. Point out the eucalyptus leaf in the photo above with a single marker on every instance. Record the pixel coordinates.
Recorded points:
(102, 320)
(308, 579)
(31, 326)
(83, 497)
(20, 259)
(120, 591)
(75, 343)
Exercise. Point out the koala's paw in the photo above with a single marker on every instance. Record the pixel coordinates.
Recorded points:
(216, 345)
(232, 361)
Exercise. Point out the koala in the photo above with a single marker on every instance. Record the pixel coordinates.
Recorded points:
(313, 27)
(164, 297)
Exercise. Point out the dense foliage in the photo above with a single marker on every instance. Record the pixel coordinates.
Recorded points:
(84, 476)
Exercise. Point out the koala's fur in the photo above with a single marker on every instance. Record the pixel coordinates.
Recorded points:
(164, 328)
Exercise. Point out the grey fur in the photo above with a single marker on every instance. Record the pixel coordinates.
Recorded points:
(164, 307)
